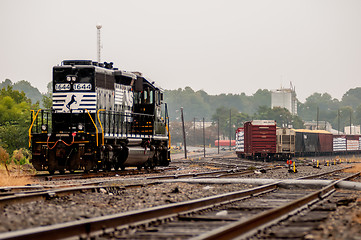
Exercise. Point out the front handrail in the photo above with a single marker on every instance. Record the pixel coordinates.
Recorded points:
(96, 129)
(100, 123)
(32, 124)
(169, 139)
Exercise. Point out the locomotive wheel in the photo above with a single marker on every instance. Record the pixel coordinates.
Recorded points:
(149, 164)
(108, 166)
(52, 162)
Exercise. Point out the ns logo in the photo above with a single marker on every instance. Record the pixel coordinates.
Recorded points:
(71, 103)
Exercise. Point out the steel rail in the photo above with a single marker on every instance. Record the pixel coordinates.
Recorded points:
(237, 173)
(45, 194)
(243, 227)
(322, 174)
(93, 226)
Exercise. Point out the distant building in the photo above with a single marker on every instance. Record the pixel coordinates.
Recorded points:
(199, 124)
(320, 125)
(354, 130)
(285, 98)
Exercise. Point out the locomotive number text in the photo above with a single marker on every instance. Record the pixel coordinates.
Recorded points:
(82, 86)
(62, 87)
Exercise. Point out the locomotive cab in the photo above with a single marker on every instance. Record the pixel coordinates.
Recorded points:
(148, 101)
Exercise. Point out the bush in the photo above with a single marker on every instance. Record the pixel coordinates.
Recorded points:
(4, 158)
(21, 156)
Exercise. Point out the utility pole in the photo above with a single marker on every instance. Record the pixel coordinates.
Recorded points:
(230, 129)
(218, 134)
(98, 26)
(194, 132)
(184, 135)
(338, 121)
(204, 140)
(350, 121)
(317, 118)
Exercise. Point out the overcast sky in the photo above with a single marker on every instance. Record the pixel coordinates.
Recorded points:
(218, 46)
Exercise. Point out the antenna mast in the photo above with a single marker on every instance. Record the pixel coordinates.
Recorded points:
(99, 26)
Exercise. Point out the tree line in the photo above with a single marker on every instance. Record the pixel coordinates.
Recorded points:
(235, 109)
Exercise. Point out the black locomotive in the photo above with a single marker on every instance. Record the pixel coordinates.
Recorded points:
(102, 118)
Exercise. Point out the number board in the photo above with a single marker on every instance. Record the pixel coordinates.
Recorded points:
(62, 86)
(82, 86)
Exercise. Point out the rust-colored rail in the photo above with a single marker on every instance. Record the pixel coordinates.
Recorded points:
(37, 195)
(323, 174)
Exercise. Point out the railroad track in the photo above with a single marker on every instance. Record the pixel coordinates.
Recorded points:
(83, 175)
(231, 215)
(302, 225)
(10, 195)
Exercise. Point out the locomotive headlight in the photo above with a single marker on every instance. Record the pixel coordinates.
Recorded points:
(44, 127)
(80, 127)
(68, 79)
(73, 79)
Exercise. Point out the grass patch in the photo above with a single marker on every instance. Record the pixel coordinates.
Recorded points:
(251, 168)
(14, 180)
(18, 175)
(212, 168)
(355, 169)
(193, 166)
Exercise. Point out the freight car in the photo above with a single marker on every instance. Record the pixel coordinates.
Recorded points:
(297, 142)
(224, 143)
(240, 142)
(102, 118)
(260, 139)
(286, 138)
(313, 142)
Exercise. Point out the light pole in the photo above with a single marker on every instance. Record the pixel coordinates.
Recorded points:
(98, 26)
(218, 134)
(230, 129)
(204, 140)
(350, 121)
(184, 135)
(194, 132)
(317, 118)
(338, 121)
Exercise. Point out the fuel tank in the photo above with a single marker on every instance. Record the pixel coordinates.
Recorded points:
(137, 156)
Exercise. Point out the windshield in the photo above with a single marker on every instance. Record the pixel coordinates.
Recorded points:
(73, 79)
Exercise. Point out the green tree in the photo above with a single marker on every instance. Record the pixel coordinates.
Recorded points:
(352, 98)
(225, 115)
(346, 117)
(319, 106)
(358, 115)
(282, 116)
(14, 119)
(47, 98)
(32, 93)
(198, 104)
(262, 98)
